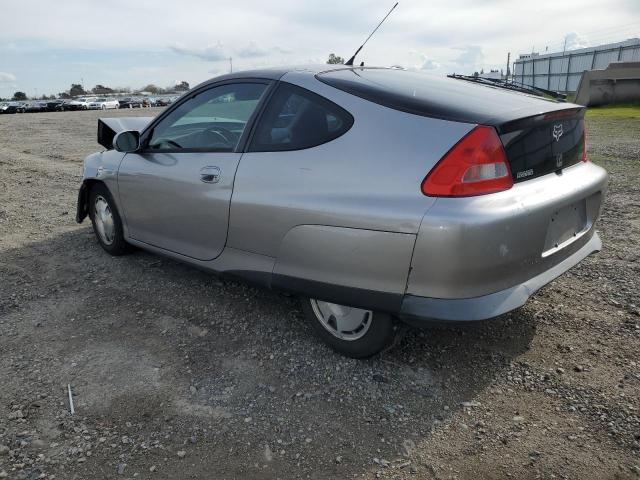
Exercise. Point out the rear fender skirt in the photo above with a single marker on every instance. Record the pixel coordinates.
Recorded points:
(328, 260)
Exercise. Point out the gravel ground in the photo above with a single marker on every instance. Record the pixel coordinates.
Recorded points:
(176, 374)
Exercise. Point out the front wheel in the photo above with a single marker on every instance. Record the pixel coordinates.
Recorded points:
(350, 331)
(106, 221)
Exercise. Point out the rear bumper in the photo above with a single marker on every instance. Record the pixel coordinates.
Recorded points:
(475, 246)
(423, 310)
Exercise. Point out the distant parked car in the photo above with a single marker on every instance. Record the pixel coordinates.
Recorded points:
(81, 103)
(146, 102)
(4, 107)
(55, 105)
(36, 107)
(104, 104)
(162, 101)
(10, 107)
(130, 102)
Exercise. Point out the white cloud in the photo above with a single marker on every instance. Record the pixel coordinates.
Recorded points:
(6, 77)
(424, 62)
(575, 41)
(282, 50)
(429, 63)
(470, 60)
(218, 52)
(210, 53)
(252, 50)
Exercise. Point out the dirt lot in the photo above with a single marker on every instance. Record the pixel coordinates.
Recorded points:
(179, 375)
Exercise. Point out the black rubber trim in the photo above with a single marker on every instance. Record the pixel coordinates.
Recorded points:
(82, 204)
(354, 297)
(351, 296)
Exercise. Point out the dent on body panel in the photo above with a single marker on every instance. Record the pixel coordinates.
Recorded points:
(102, 165)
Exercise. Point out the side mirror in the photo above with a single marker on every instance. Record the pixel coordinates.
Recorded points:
(127, 142)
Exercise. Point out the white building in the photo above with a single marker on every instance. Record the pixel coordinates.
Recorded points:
(562, 71)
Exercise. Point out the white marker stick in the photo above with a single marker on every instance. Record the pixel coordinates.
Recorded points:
(73, 410)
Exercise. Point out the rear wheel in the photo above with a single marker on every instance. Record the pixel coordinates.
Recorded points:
(351, 331)
(106, 221)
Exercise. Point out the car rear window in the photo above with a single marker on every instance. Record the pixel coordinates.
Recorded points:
(429, 95)
(296, 119)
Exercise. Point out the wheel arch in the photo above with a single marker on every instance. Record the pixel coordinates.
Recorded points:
(82, 208)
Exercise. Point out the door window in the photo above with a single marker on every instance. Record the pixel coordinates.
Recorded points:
(211, 121)
(296, 118)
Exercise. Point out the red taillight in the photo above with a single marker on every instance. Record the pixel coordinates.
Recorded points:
(584, 144)
(476, 165)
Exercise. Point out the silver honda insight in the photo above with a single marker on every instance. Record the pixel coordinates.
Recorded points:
(375, 194)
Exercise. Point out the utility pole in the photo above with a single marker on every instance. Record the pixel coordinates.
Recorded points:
(230, 65)
(564, 48)
(508, 61)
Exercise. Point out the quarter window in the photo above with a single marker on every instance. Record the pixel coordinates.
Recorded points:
(296, 118)
(210, 121)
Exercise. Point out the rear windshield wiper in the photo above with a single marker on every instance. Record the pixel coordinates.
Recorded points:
(540, 92)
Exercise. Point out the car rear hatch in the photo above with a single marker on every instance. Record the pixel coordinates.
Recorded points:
(544, 143)
(475, 245)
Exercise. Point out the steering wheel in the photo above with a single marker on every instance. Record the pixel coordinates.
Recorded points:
(227, 135)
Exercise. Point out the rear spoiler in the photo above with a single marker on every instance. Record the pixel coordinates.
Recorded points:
(109, 127)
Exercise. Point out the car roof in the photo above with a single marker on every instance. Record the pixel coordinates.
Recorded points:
(274, 73)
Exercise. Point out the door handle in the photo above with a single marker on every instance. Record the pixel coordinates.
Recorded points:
(210, 174)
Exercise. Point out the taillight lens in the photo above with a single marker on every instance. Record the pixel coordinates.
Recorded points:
(476, 165)
(584, 144)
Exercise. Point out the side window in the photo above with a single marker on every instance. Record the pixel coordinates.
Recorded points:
(296, 118)
(213, 120)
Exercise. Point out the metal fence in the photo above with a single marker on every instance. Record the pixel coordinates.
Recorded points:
(562, 71)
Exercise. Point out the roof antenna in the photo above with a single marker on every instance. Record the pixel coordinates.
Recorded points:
(352, 59)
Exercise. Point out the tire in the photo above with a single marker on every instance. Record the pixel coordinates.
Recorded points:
(107, 225)
(375, 332)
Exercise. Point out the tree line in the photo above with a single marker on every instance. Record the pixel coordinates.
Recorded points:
(77, 90)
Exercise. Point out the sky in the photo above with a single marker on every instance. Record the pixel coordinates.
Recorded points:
(46, 45)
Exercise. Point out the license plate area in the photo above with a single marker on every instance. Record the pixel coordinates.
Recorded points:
(566, 225)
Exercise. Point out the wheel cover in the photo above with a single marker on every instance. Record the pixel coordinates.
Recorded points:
(104, 220)
(345, 323)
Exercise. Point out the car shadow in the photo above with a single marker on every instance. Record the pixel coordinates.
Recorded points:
(152, 338)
